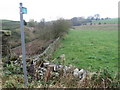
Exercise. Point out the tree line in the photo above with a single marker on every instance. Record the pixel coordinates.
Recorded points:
(49, 30)
(77, 21)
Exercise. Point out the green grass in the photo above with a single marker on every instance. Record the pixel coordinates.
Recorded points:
(107, 21)
(10, 25)
(91, 49)
(97, 27)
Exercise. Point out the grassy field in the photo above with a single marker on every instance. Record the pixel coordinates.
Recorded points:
(91, 49)
(107, 21)
(97, 27)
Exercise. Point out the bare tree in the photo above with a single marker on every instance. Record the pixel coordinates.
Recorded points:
(97, 16)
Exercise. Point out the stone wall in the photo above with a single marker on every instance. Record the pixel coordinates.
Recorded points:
(4, 49)
(47, 53)
(4, 42)
(40, 66)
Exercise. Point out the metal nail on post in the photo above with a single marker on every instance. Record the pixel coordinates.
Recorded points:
(23, 45)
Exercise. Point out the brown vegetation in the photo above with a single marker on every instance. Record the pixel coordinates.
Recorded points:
(40, 35)
(33, 48)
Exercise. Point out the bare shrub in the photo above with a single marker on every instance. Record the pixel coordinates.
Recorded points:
(60, 27)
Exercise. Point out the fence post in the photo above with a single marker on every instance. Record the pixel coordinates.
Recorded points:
(23, 46)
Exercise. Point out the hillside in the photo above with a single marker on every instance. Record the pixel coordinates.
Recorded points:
(97, 27)
(31, 35)
(106, 21)
(14, 26)
(38, 35)
(78, 21)
(10, 25)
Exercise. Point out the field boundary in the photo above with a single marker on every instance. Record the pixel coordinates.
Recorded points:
(47, 52)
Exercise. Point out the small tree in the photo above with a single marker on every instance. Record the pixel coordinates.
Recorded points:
(42, 23)
(61, 26)
(31, 23)
(99, 23)
(97, 16)
(104, 23)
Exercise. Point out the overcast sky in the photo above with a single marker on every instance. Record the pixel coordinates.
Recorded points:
(54, 9)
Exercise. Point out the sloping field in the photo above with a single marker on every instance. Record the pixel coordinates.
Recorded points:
(107, 21)
(91, 49)
(97, 27)
(10, 25)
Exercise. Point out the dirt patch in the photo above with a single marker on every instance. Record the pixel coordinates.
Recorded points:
(33, 48)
